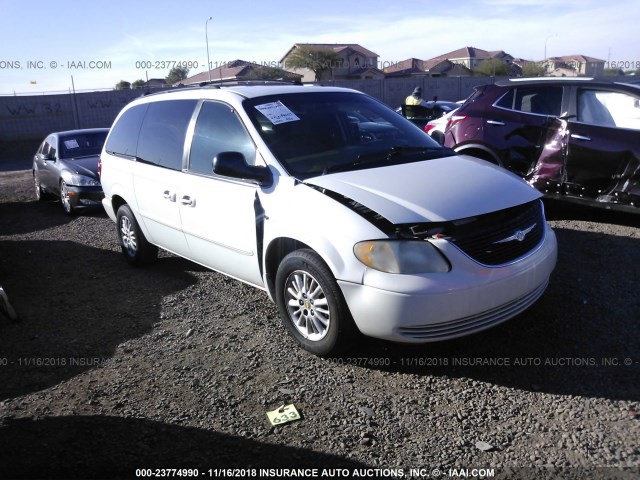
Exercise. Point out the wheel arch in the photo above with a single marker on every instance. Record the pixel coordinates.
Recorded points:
(277, 249)
(479, 151)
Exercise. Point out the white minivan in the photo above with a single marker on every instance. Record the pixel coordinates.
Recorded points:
(348, 215)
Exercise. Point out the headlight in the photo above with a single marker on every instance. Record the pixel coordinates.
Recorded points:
(83, 181)
(401, 256)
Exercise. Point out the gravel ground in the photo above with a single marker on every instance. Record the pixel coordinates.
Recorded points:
(113, 369)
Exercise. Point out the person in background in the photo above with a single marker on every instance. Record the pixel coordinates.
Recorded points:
(413, 104)
(415, 98)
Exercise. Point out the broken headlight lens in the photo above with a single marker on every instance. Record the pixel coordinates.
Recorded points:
(401, 256)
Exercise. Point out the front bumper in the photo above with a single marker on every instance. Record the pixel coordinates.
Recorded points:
(466, 300)
(85, 196)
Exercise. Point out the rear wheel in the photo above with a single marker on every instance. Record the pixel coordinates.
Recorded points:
(311, 304)
(135, 247)
(438, 136)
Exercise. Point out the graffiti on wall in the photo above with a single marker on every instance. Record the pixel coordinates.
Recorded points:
(33, 109)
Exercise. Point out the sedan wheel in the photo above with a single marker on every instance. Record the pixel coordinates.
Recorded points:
(65, 200)
(311, 304)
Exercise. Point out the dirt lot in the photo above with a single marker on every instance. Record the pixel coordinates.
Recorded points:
(113, 369)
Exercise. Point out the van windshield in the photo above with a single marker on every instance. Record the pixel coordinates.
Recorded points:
(316, 133)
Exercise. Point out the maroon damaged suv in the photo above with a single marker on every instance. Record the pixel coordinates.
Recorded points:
(576, 139)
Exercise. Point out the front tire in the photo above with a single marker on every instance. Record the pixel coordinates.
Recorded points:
(311, 304)
(135, 247)
(65, 199)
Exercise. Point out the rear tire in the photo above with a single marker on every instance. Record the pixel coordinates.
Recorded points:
(135, 247)
(311, 304)
(438, 136)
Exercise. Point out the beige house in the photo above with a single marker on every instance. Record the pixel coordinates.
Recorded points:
(471, 57)
(241, 70)
(354, 62)
(459, 62)
(574, 66)
(433, 68)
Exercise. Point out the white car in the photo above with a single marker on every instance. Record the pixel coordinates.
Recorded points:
(435, 128)
(349, 217)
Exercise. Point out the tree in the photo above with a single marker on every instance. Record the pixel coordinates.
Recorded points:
(613, 72)
(265, 73)
(316, 59)
(177, 74)
(532, 69)
(492, 68)
(123, 85)
(137, 84)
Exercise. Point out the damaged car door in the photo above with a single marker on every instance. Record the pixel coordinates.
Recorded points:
(519, 131)
(603, 154)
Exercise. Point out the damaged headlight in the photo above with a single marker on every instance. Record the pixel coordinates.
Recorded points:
(401, 256)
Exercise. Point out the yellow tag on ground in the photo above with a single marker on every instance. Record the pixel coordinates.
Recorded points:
(284, 414)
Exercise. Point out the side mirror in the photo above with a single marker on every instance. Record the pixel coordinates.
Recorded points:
(234, 165)
(45, 157)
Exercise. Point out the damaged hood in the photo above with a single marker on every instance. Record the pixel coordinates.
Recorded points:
(437, 190)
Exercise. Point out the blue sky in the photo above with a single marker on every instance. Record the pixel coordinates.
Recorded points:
(49, 42)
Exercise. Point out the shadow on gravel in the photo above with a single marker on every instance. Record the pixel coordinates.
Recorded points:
(77, 304)
(16, 216)
(581, 338)
(559, 210)
(113, 447)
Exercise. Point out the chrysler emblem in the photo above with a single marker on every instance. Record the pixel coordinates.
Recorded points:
(519, 235)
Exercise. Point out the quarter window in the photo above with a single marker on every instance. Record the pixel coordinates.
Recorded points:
(539, 100)
(123, 139)
(218, 129)
(163, 132)
(608, 108)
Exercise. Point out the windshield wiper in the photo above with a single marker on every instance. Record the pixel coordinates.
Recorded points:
(378, 157)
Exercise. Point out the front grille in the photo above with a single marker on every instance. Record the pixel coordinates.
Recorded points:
(502, 237)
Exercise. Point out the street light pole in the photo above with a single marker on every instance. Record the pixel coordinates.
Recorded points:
(545, 44)
(206, 34)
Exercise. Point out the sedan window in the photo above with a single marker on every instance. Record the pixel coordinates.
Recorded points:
(82, 145)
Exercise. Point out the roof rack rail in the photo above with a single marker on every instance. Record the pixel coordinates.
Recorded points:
(550, 79)
(236, 82)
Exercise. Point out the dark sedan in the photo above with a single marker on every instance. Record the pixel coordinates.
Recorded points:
(431, 110)
(66, 166)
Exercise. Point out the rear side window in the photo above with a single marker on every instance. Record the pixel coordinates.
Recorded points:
(123, 139)
(543, 100)
(163, 132)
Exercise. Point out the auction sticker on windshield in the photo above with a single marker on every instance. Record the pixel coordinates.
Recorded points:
(70, 144)
(277, 112)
